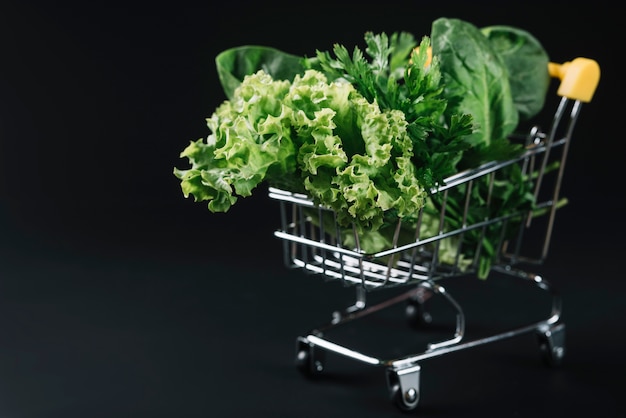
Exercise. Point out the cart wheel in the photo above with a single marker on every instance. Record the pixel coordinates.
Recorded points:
(416, 312)
(307, 359)
(403, 385)
(405, 402)
(552, 344)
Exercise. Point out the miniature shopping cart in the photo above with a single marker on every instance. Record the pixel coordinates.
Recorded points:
(313, 243)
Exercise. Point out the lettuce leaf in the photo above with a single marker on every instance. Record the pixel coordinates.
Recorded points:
(247, 141)
(323, 138)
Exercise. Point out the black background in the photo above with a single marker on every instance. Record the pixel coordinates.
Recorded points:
(120, 298)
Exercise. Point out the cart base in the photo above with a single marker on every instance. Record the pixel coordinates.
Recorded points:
(403, 373)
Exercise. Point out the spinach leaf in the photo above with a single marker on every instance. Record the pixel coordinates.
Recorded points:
(476, 77)
(235, 63)
(527, 63)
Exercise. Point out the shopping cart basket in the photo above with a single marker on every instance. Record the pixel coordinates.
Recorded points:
(314, 243)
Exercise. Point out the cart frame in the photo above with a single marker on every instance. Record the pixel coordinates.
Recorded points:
(314, 245)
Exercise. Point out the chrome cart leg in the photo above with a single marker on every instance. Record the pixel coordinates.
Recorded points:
(404, 386)
(552, 344)
(309, 359)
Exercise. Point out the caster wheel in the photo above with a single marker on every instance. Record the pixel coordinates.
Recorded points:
(404, 388)
(307, 362)
(552, 345)
(416, 313)
(405, 402)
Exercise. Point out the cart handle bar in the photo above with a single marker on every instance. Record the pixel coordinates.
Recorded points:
(579, 78)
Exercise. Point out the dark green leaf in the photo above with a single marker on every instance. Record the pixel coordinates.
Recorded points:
(236, 63)
(527, 63)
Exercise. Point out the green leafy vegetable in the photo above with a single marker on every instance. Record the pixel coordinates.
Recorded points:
(527, 63)
(397, 77)
(477, 82)
(345, 149)
(235, 63)
(324, 137)
(373, 133)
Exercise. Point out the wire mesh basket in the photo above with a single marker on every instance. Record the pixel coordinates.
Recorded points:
(445, 240)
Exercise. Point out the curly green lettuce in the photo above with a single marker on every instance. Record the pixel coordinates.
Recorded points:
(324, 138)
(248, 142)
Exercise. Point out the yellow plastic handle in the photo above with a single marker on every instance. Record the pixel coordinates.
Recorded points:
(579, 78)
